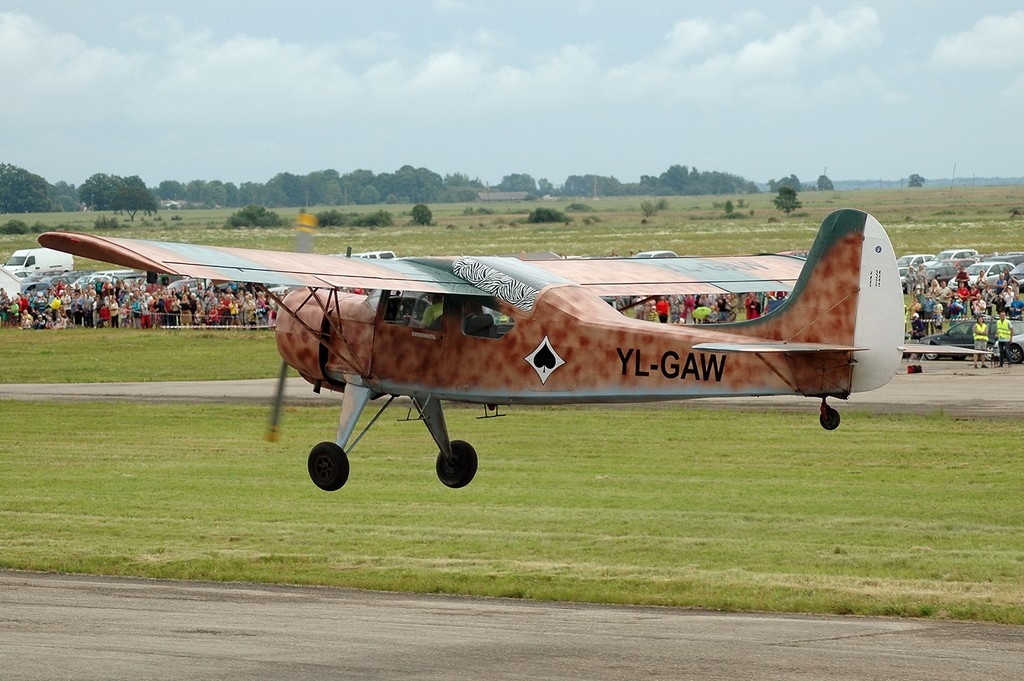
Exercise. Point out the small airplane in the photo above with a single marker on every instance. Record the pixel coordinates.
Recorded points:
(499, 331)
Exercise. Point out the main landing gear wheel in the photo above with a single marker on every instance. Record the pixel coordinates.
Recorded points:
(458, 470)
(328, 466)
(829, 418)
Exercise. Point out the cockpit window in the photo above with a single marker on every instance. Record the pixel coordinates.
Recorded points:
(481, 321)
(405, 308)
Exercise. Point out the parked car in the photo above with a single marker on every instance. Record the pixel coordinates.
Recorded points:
(656, 254)
(41, 284)
(943, 272)
(904, 262)
(953, 254)
(961, 334)
(991, 268)
(1015, 258)
(1017, 274)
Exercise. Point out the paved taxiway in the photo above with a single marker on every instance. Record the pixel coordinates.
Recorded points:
(947, 385)
(83, 628)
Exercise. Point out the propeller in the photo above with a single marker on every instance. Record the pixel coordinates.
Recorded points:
(305, 227)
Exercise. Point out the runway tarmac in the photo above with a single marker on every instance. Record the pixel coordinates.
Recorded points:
(83, 628)
(952, 386)
(89, 628)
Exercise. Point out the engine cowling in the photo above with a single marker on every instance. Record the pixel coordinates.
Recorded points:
(326, 335)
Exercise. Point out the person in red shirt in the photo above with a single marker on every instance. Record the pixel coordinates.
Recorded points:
(752, 306)
(662, 308)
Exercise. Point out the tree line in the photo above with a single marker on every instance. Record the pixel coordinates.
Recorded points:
(22, 191)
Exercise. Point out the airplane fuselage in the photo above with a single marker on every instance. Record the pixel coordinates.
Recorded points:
(572, 347)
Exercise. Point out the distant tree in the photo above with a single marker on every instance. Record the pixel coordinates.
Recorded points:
(64, 197)
(517, 182)
(172, 190)
(538, 215)
(786, 200)
(22, 191)
(915, 181)
(729, 207)
(648, 209)
(332, 218)
(380, 218)
(14, 227)
(675, 180)
(133, 196)
(368, 196)
(255, 216)
(421, 214)
(97, 192)
(792, 181)
(825, 184)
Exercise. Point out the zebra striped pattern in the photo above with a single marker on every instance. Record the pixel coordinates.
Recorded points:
(496, 282)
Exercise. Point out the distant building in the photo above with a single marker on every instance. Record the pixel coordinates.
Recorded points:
(501, 196)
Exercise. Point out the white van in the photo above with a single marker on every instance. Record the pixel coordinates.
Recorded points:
(372, 255)
(28, 260)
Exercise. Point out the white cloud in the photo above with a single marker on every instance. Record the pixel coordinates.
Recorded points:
(707, 61)
(35, 61)
(994, 42)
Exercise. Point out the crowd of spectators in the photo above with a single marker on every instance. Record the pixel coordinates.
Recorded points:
(134, 303)
(962, 298)
(137, 304)
(700, 309)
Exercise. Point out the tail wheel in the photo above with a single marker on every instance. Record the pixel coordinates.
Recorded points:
(457, 470)
(829, 418)
(328, 466)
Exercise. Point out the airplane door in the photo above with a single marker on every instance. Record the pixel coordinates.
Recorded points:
(408, 340)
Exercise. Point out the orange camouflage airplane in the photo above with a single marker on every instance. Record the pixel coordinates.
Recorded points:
(498, 331)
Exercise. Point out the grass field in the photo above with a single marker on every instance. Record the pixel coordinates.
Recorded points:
(79, 355)
(663, 505)
(919, 221)
(671, 506)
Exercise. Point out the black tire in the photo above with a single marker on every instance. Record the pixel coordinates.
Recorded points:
(328, 466)
(458, 471)
(1016, 354)
(829, 419)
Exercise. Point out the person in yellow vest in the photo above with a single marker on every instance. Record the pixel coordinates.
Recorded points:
(1004, 334)
(980, 330)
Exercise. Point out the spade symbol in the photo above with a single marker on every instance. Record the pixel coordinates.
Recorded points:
(544, 360)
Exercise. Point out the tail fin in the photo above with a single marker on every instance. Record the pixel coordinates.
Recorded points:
(848, 294)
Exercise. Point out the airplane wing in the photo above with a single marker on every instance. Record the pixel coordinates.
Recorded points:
(273, 268)
(655, 276)
(508, 278)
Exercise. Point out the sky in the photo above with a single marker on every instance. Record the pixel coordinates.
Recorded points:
(241, 91)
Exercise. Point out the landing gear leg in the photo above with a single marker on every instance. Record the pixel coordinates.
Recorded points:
(328, 462)
(829, 418)
(456, 460)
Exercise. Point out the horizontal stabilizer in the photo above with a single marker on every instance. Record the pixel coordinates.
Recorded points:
(761, 348)
(953, 350)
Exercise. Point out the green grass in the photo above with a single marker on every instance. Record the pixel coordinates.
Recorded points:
(659, 505)
(103, 355)
(919, 221)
